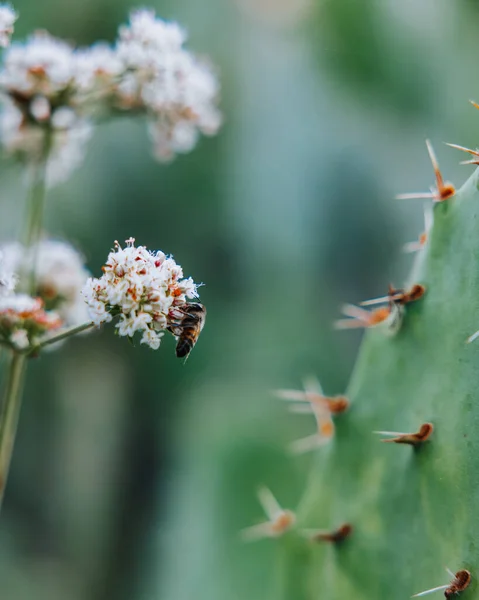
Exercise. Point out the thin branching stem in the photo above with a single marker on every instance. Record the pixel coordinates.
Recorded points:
(9, 416)
(63, 335)
(11, 404)
(35, 210)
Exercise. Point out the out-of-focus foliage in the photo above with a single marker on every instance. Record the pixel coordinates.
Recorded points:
(362, 43)
(134, 472)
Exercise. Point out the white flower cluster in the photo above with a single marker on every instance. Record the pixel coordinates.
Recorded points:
(39, 78)
(145, 289)
(51, 87)
(60, 274)
(177, 90)
(7, 19)
(58, 302)
(23, 320)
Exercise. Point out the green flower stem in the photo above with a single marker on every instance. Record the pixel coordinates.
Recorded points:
(9, 416)
(35, 210)
(16, 372)
(66, 333)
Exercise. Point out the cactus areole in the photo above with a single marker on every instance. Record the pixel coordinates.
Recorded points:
(414, 508)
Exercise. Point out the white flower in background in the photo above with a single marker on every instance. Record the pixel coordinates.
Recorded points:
(68, 145)
(23, 320)
(61, 275)
(145, 289)
(146, 32)
(97, 68)
(51, 87)
(42, 66)
(43, 92)
(68, 151)
(177, 90)
(7, 19)
(8, 279)
(19, 338)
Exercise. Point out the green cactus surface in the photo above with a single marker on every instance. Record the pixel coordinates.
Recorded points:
(414, 510)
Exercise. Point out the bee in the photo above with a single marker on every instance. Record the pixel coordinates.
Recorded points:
(188, 328)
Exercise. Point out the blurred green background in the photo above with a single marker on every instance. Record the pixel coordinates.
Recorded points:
(133, 472)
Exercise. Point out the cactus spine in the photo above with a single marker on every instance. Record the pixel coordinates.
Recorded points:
(414, 509)
(383, 520)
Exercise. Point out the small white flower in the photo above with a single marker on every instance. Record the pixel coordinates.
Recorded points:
(8, 279)
(146, 30)
(20, 304)
(68, 151)
(22, 312)
(40, 78)
(64, 118)
(7, 19)
(40, 108)
(61, 275)
(50, 85)
(96, 67)
(69, 141)
(151, 338)
(145, 289)
(19, 339)
(43, 65)
(178, 91)
(97, 310)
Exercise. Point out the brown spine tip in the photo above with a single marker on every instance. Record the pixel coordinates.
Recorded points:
(460, 583)
(334, 537)
(413, 439)
(398, 296)
(446, 192)
(337, 404)
(402, 297)
(416, 292)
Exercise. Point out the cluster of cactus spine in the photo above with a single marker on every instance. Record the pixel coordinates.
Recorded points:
(384, 520)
